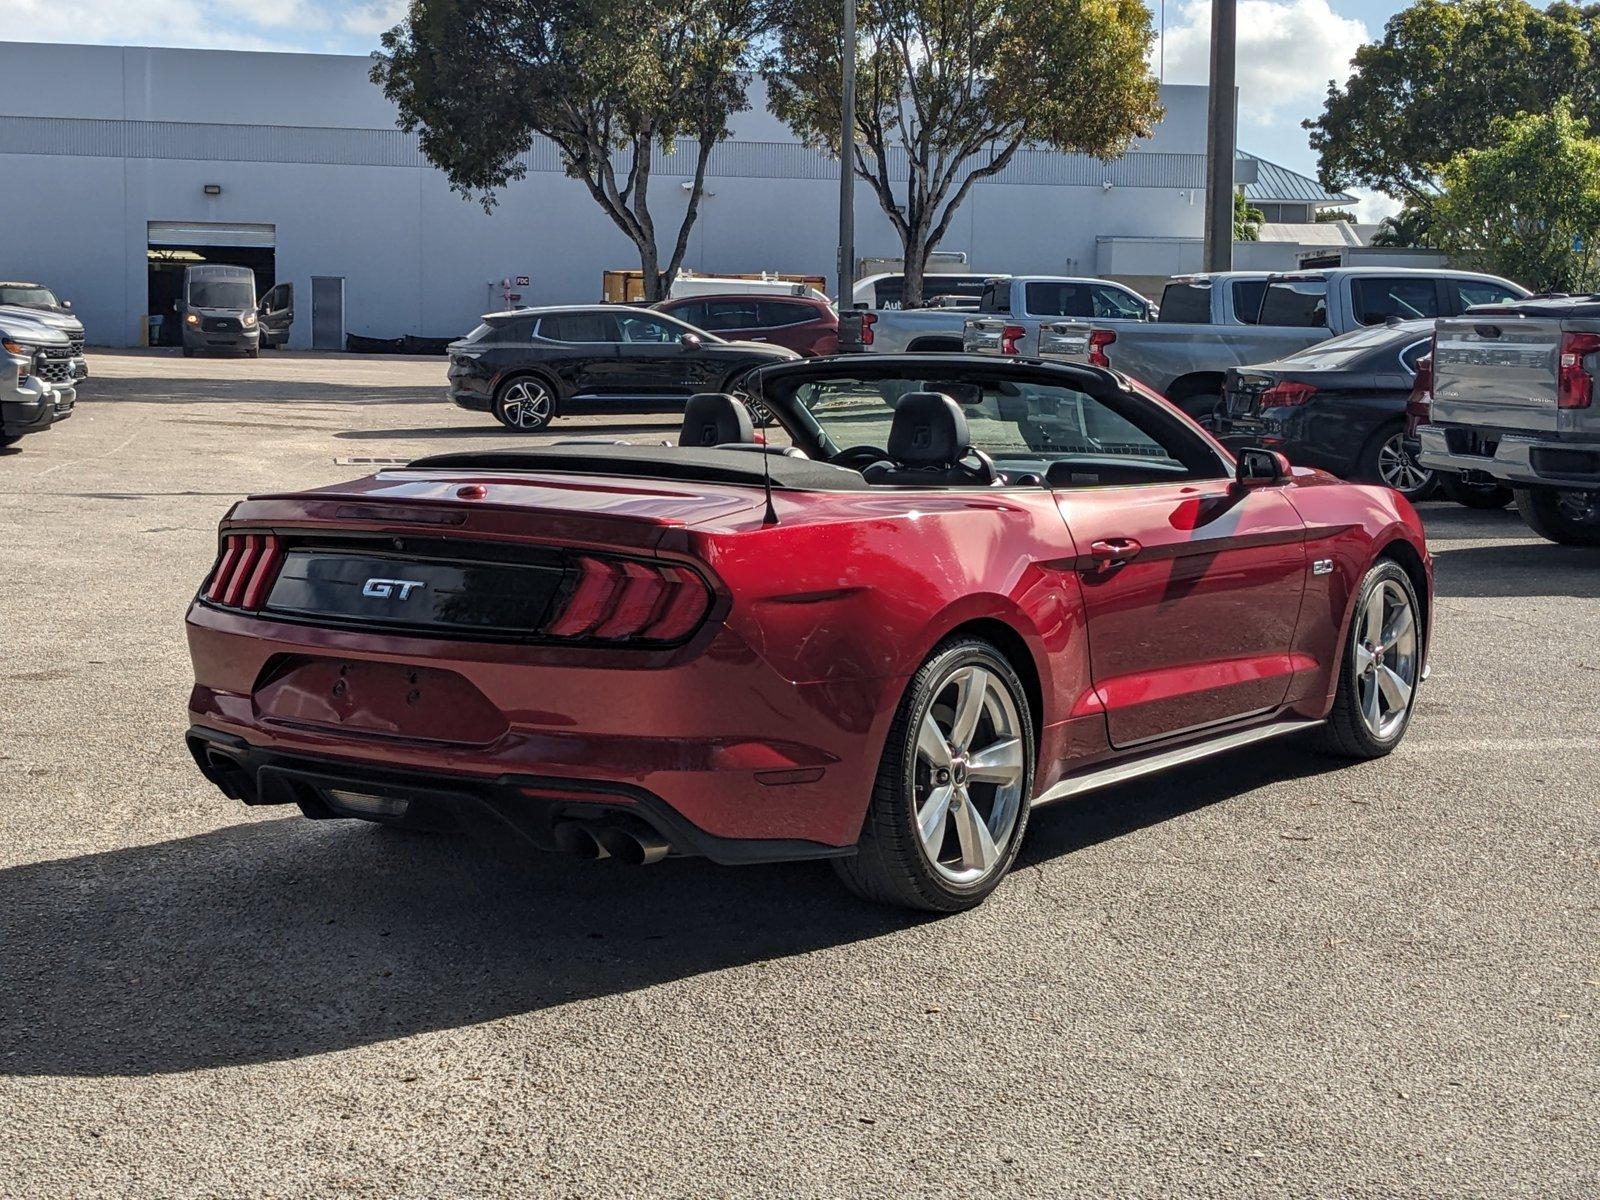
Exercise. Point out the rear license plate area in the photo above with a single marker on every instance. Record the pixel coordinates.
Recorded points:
(377, 698)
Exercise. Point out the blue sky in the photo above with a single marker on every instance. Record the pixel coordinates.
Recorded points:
(1288, 49)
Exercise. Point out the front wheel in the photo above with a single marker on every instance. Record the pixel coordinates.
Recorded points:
(525, 405)
(1380, 667)
(1571, 518)
(952, 796)
(1389, 460)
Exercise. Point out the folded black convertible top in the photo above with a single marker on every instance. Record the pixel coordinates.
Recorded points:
(706, 465)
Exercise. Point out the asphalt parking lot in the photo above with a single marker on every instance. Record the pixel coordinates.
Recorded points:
(1268, 975)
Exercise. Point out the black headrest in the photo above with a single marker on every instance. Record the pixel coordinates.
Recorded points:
(715, 419)
(929, 429)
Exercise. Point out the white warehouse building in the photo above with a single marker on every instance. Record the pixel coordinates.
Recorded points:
(121, 164)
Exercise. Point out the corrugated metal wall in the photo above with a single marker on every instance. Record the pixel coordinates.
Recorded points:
(197, 141)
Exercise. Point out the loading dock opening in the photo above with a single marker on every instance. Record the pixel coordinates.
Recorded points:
(176, 245)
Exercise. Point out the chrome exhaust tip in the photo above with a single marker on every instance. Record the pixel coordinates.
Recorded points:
(635, 849)
(577, 839)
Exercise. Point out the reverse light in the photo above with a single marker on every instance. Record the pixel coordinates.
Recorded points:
(1009, 337)
(1287, 394)
(1575, 385)
(1099, 339)
(624, 600)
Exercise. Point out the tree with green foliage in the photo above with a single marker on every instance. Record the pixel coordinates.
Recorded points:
(950, 90)
(1247, 219)
(1443, 71)
(1528, 207)
(1411, 226)
(610, 82)
(1327, 216)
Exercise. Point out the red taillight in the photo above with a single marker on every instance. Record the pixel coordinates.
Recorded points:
(1009, 337)
(868, 320)
(1287, 394)
(245, 571)
(1575, 388)
(1419, 404)
(1099, 339)
(615, 600)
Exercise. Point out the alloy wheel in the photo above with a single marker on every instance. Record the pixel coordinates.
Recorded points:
(526, 405)
(1398, 467)
(969, 775)
(1386, 659)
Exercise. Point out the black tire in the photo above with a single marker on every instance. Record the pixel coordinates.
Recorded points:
(1346, 732)
(9, 440)
(1386, 460)
(890, 865)
(1199, 402)
(1571, 518)
(188, 353)
(1486, 496)
(524, 403)
(254, 352)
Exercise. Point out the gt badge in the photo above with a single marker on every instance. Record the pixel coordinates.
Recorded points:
(385, 588)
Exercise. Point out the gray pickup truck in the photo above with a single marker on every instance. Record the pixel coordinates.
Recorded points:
(1206, 327)
(37, 388)
(1007, 301)
(1515, 400)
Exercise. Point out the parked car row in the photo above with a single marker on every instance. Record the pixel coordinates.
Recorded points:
(38, 387)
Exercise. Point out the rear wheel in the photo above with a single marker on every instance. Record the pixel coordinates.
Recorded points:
(1569, 517)
(1464, 491)
(524, 404)
(1387, 459)
(1380, 667)
(952, 796)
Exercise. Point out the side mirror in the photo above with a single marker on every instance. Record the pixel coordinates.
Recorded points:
(689, 341)
(1260, 468)
(176, 306)
(66, 304)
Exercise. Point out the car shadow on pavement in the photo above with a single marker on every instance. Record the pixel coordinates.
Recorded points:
(275, 939)
(246, 391)
(1521, 569)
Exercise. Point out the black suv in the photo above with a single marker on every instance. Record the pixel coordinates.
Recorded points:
(534, 364)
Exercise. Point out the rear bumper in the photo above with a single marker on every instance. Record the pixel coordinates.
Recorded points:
(526, 805)
(1523, 461)
(710, 741)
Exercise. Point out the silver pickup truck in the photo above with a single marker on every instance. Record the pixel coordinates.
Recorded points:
(1206, 325)
(1515, 399)
(1019, 301)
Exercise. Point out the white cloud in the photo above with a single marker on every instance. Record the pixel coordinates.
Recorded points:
(325, 26)
(1374, 206)
(1288, 50)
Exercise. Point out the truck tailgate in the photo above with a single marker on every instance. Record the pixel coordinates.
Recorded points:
(1058, 340)
(1497, 370)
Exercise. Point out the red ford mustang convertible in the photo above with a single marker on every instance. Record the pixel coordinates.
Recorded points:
(948, 591)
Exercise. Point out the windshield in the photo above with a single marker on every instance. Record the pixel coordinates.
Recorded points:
(29, 297)
(233, 293)
(1021, 424)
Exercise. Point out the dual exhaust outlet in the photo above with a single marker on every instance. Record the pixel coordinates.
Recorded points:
(596, 839)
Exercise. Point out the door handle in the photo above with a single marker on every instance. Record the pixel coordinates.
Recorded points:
(756, 339)
(1112, 552)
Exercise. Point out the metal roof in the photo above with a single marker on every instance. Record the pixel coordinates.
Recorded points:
(1275, 184)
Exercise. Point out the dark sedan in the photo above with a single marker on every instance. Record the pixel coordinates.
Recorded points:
(804, 324)
(532, 365)
(1339, 405)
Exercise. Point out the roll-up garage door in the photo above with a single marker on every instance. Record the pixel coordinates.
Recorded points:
(213, 233)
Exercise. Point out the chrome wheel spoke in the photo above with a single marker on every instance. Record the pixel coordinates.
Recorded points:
(1394, 688)
(972, 686)
(1371, 708)
(1000, 763)
(1398, 628)
(1364, 659)
(978, 851)
(931, 819)
(1372, 619)
(931, 744)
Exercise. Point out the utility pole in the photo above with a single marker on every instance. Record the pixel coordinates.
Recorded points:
(847, 161)
(1222, 125)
